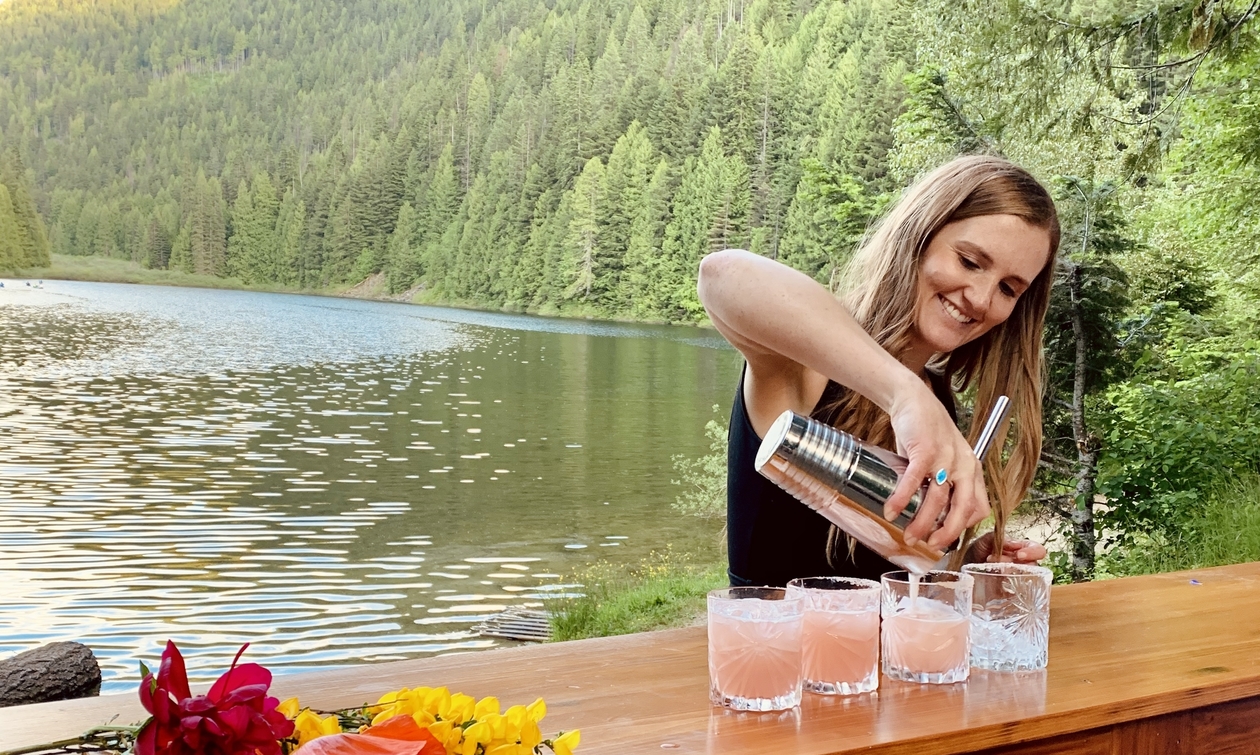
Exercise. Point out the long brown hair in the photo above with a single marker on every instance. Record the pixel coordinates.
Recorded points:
(880, 286)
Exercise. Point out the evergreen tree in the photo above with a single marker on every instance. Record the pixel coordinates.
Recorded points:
(644, 261)
(11, 252)
(289, 234)
(32, 237)
(621, 202)
(710, 213)
(404, 263)
(157, 248)
(582, 255)
(181, 251)
(205, 218)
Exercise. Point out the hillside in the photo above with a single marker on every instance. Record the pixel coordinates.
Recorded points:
(582, 156)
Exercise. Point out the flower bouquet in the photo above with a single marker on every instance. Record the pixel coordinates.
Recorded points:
(237, 716)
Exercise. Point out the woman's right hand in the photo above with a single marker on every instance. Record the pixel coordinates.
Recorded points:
(929, 439)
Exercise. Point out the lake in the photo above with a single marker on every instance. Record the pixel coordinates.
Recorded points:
(334, 481)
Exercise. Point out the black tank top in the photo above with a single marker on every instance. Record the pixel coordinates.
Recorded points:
(771, 537)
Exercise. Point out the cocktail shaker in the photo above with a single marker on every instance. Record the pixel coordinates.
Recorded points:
(848, 481)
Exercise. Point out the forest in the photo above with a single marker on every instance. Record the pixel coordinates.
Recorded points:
(579, 157)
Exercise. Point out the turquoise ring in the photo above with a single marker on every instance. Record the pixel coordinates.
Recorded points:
(941, 476)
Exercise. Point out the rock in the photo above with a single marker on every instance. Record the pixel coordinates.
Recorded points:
(57, 671)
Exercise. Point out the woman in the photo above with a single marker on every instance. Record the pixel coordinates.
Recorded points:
(949, 292)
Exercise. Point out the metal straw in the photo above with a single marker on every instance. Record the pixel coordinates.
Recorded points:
(997, 416)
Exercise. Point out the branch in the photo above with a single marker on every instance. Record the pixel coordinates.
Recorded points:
(1055, 467)
(1055, 502)
(1198, 56)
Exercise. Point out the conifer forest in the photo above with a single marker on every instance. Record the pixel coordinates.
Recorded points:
(579, 157)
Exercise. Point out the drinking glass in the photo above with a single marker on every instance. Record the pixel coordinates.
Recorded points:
(755, 648)
(840, 639)
(1010, 616)
(926, 636)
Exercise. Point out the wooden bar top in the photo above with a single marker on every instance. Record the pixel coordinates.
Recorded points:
(1125, 650)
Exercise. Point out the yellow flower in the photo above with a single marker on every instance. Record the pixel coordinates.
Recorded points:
(536, 710)
(448, 734)
(460, 708)
(438, 702)
(485, 706)
(289, 708)
(531, 736)
(390, 697)
(423, 718)
(474, 736)
(308, 725)
(564, 744)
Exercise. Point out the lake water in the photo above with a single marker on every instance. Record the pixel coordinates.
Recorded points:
(334, 481)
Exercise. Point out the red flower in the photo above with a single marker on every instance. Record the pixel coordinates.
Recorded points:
(236, 717)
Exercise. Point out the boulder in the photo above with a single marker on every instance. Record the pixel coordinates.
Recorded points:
(57, 671)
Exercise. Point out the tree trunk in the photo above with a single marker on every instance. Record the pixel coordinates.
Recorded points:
(58, 671)
(1083, 535)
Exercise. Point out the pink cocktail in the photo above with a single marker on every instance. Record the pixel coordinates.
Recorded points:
(927, 632)
(754, 648)
(840, 642)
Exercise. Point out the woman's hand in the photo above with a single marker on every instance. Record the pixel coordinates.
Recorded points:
(928, 438)
(1013, 551)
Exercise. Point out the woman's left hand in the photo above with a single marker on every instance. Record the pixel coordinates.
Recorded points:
(1013, 551)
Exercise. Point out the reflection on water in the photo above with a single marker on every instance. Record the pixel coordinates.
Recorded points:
(332, 481)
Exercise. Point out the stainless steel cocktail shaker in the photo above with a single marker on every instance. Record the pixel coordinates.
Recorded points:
(848, 481)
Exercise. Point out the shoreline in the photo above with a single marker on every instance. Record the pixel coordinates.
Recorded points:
(109, 270)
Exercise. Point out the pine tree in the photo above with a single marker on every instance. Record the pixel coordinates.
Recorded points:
(404, 264)
(253, 252)
(440, 210)
(67, 205)
(622, 200)
(289, 234)
(584, 227)
(32, 237)
(710, 213)
(11, 252)
(476, 115)
(157, 246)
(643, 261)
(241, 242)
(206, 219)
(181, 251)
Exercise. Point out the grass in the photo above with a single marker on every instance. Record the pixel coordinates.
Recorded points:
(1225, 531)
(664, 590)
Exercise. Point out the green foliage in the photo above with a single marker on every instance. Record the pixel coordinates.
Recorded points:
(1224, 529)
(23, 240)
(704, 479)
(1169, 441)
(1093, 236)
(665, 590)
(187, 135)
(12, 255)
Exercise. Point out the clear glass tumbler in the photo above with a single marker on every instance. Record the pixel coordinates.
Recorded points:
(1010, 616)
(755, 648)
(926, 636)
(840, 641)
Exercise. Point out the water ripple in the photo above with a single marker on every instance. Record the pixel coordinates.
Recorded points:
(332, 481)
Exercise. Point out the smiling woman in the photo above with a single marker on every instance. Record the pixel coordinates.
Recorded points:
(948, 292)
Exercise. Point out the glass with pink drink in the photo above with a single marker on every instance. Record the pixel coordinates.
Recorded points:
(927, 631)
(754, 648)
(840, 640)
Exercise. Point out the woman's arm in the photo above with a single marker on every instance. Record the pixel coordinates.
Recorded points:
(795, 335)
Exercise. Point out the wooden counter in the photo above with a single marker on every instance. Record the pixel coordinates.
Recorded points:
(1154, 664)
